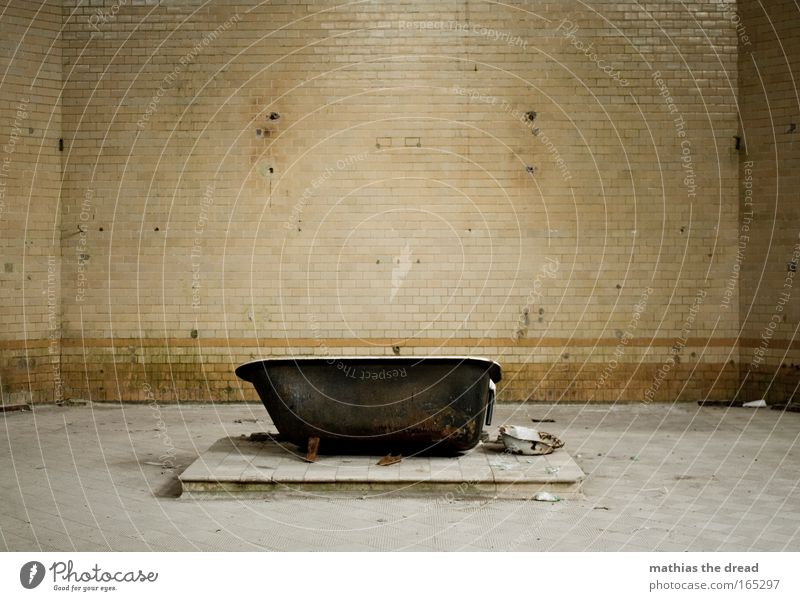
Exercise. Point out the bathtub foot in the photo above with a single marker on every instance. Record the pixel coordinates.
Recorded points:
(313, 447)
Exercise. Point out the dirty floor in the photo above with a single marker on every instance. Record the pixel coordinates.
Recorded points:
(659, 477)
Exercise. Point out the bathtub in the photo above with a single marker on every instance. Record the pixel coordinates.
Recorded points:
(377, 405)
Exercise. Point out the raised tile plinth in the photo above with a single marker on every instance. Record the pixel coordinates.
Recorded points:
(241, 466)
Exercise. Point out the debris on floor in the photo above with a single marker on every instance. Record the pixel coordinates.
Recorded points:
(791, 406)
(708, 403)
(10, 408)
(262, 437)
(749, 404)
(390, 459)
(547, 497)
(551, 440)
(527, 441)
(73, 403)
(502, 466)
(543, 421)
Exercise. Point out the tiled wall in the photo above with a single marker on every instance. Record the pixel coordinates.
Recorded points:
(326, 178)
(769, 306)
(30, 177)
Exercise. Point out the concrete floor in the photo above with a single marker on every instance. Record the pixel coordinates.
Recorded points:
(658, 478)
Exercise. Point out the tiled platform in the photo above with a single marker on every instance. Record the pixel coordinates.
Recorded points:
(241, 466)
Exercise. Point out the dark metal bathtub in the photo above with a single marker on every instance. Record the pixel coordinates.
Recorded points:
(377, 404)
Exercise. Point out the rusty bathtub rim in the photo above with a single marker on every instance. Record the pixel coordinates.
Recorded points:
(493, 368)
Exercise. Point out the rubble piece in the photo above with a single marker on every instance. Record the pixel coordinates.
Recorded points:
(390, 459)
(547, 497)
(755, 404)
(73, 403)
(502, 466)
(551, 440)
(792, 407)
(522, 440)
(708, 403)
